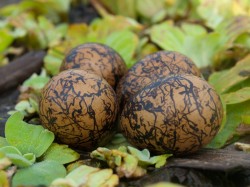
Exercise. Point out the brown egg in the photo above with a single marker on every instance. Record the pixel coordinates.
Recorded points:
(98, 58)
(80, 108)
(151, 68)
(178, 114)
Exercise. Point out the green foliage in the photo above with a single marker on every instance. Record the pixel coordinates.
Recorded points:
(3, 142)
(238, 96)
(17, 158)
(60, 153)
(145, 159)
(235, 113)
(147, 11)
(117, 141)
(125, 43)
(25, 107)
(233, 86)
(30, 92)
(53, 61)
(128, 161)
(30, 148)
(225, 80)
(6, 39)
(212, 33)
(204, 48)
(33, 139)
(41, 173)
(189, 39)
(215, 12)
(32, 24)
(56, 10)
(88, 176)
(116, 32)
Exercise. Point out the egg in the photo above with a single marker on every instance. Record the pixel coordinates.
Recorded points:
(151, 68)
(79, 108)
(97, 58)
(178, 114)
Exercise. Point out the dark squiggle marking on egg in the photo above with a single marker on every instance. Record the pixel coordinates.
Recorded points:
(80, 108)
(178, 114)
(97, 58)
(152, 68)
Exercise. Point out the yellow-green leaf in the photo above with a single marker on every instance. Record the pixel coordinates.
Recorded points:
(60, 153)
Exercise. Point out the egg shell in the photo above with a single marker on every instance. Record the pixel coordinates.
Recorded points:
(80, 108)
(178, 114)
(151, 68)
(97, 58)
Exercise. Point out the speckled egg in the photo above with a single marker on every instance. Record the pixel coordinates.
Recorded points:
(98, 58)
(80, 108)
(151, 68)
(178, 114)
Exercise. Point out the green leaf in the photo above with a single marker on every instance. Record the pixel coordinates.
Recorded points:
(149, 9)
(52, 34)
(10, 150)
(238, 96)
(76, 35)
(54, 9)
(16, 156)
(60, 153)
(117, 141)
(20, 161)
(160, 160)
(245, 119)
(15, 9)
(41, 173)
(232, 28)
(197, 30)
(34, 104)
(80, 174)
(37, 82)
(189, 39)
(126, 7)
(30, 156)
(235, 116)
(223, 81)
(145, 159)
(243, 40)
(53, 61)
(143, 156)
(6, 39)
(125, 43)
(88, 176)
(26, 137)
(216, 12)
(3, 142)
(100, 28)
(35, 39)
(167, 36)
(24, 107)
